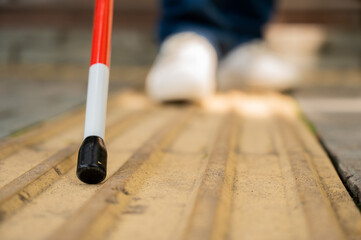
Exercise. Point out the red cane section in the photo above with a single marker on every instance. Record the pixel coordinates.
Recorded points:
(102, 30)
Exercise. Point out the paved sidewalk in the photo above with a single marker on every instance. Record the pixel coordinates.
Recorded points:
(239, 166)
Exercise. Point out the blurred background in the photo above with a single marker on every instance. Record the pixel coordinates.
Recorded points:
(45, 50)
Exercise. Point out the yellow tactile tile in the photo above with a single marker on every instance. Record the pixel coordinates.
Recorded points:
(237, 166)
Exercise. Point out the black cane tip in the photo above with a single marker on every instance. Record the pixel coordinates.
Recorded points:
(92, 160)
(91, 175)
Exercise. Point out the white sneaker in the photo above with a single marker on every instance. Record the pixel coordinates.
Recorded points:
(253, 65)
(185, 69)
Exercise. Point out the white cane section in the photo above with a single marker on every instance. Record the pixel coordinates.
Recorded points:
(96, 103)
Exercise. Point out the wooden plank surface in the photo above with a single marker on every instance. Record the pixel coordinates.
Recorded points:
(237, 166)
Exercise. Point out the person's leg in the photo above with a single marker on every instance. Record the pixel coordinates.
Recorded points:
(186, 65)
(225, 23)
(192, 33)
(250, 63)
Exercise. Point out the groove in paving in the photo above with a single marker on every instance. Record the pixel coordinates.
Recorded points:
(46, 130)
(340, 203)
(168, 197)
(321, 221)
(39, 134)
(211, 213)
(55, 205)
(30, 184)
(259, 209)
(280, 183)
(100, 212)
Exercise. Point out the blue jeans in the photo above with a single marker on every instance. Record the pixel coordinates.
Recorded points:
(225, 23)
